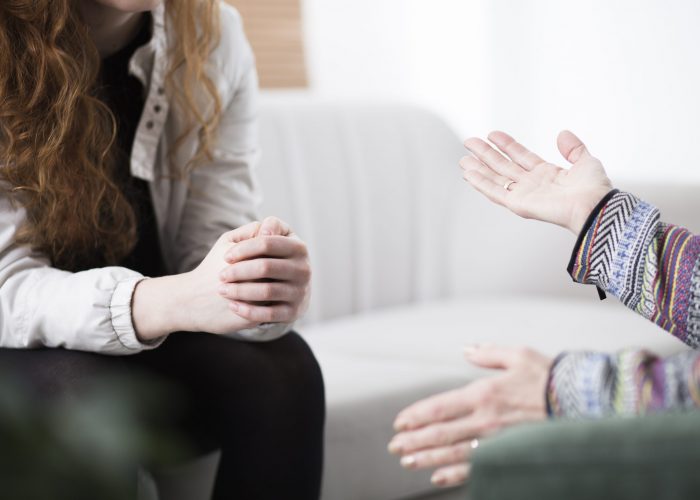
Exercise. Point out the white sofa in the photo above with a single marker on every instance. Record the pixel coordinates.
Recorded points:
(410, 265)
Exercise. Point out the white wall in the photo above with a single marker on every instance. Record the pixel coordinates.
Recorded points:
(623, 74)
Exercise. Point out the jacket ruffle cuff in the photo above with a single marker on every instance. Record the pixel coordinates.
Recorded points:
(122, 320)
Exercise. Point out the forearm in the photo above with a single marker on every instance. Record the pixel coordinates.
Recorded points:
(182, 302)
(87, 311)
(590, 384)
(652, 267)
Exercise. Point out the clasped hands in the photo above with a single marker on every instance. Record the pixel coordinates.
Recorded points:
(267, 273)
(258, 273)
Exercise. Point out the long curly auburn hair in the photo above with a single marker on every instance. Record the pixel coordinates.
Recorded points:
(57, 137)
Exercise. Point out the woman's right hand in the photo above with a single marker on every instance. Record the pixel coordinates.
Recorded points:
(539, 190)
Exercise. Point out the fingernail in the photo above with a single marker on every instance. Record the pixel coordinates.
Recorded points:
(438, 479)
(401, 425)
(234, 306)
(266, 232)
(394, 447)
(223, 289)
(408, 461)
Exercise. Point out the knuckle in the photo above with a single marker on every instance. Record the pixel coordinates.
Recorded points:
(485, 394)
(264, 267)
(264, 245)
(293, 312)
(305, 270)
(286, 313)
(489, 425)
(408, 444)
(441, 436)
(481, 427)
(523, 354)
(265, 315)
(267, 291)
(457, 453)
(244, 310)
(437, 412)
(304, 249)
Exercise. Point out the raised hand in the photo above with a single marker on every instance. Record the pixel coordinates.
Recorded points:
(521, 181)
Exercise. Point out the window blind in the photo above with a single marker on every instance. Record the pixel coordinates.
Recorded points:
(275, 32)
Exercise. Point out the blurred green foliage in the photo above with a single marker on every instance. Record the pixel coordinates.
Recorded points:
(84, 447)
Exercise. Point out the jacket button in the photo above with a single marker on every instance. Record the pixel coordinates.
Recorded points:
(149, 124)
(157, 108)
(161, 91)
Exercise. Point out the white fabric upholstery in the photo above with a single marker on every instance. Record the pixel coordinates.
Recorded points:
(369, 188)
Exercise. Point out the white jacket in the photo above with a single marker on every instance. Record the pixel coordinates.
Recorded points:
(91, 310)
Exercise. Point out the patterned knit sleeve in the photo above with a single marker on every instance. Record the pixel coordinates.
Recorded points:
(590, 385)
(652, 267)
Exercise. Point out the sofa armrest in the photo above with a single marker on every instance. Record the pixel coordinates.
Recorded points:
(619, 458)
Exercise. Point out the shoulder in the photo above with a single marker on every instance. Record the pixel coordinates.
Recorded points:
(233, 58)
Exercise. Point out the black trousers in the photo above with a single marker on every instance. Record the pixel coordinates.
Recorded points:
(262, 404)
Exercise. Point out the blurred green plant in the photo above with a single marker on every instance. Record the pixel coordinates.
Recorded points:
(86, 447)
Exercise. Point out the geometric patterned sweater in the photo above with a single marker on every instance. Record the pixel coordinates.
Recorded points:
(654, 269)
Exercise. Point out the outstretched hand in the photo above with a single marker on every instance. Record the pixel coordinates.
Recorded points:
(442, 431)
(521, 181)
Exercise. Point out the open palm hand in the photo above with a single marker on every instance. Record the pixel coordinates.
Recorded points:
(521, 181)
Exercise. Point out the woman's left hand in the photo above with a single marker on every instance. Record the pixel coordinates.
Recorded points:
(267, 279)
(440, 432)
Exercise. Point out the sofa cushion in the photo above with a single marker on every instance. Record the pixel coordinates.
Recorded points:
(377, 363)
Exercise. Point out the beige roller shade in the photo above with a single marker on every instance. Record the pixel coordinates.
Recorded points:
(274, 30)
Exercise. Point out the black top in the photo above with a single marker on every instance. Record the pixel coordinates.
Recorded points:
(125, 96)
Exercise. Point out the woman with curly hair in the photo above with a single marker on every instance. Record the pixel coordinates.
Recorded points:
(128, 233)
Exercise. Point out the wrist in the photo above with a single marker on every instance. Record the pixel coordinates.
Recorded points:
(156, 307)
(584, 207)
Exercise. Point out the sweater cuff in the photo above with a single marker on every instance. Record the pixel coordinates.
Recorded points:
(585, 236)
(581, 385)
(122, 321)
(609, 252)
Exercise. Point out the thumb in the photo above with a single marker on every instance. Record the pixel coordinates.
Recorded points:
(488, 356)
(571, 147)
(272, 226)
(244, 232)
